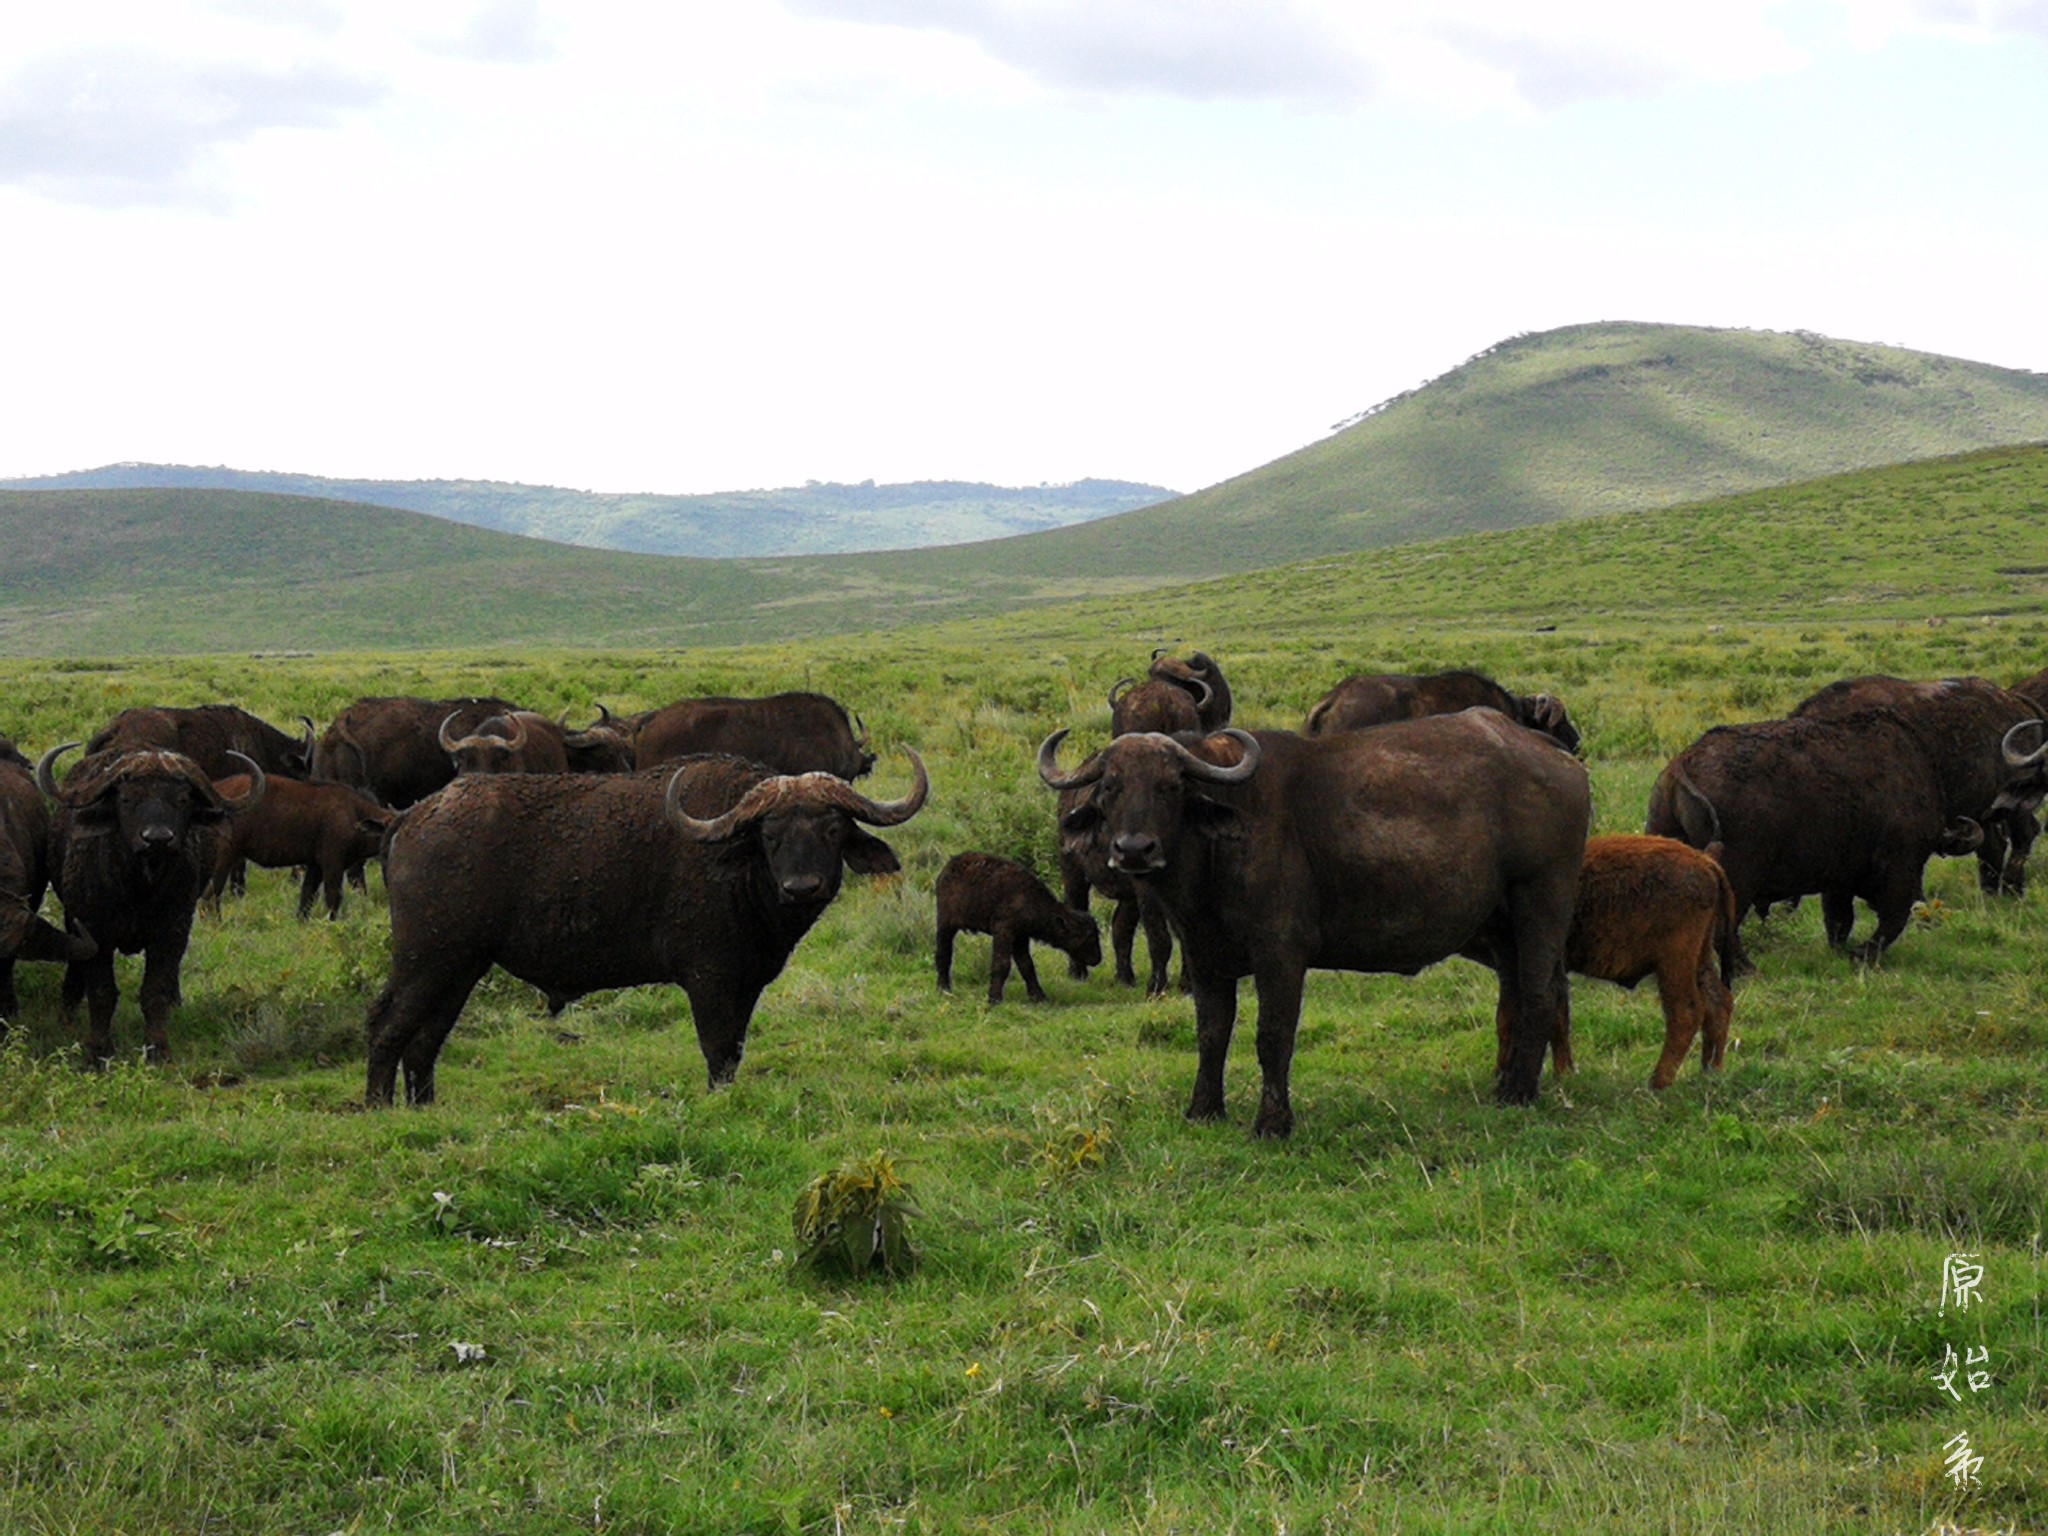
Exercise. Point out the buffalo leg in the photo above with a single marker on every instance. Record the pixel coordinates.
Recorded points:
(309, 887)
(160, 993)
(721, 1013)
(1158, 946)
(1837, 917)
(358, 879)
(93, 981)
(1720, 1011)
(1215, 1019)
(1000, 951)
(1684, 1012)
(1539, 916)
(1893, 903)
(407, 1024)
(1033, 992)
(10, 1005)
(330, 891)
(1279, 1017)
(942, 958)
(1123, 934)
(1074, 894)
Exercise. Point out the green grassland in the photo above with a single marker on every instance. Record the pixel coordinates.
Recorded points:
(230, 1301)
(166, 572)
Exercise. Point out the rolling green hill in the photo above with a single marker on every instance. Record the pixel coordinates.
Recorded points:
(818, 518)
(164, 571)
(1568, 423)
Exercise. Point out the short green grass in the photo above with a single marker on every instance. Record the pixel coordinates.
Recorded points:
(565, 1297)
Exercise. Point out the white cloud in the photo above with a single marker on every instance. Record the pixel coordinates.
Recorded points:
(121, 126)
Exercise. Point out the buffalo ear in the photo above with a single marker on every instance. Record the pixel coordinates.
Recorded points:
(867, 854)
(1080, 819)
(1211, 817)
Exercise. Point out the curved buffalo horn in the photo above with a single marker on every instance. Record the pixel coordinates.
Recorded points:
(1116, 689)
(1214, 773)
(347, 738)
(259, 783)
(519, 732)
(2014, 757)
(1961, 836)
(306, 746)
(1161, 650)
(881, 813)
(562, 720)
(1049, 765)
(448, 740)
(1202, 691)
(860, 730)
(46, 781)
(604, 716)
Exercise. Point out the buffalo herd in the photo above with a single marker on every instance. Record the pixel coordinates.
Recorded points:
(1412, 818)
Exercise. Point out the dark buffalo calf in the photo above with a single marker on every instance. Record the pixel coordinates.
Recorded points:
(981, 893)
(1653, 906)
(329, 829)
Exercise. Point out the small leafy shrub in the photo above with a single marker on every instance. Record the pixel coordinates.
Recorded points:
(855, 1218)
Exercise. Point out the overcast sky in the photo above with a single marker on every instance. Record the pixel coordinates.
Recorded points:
(734, 243)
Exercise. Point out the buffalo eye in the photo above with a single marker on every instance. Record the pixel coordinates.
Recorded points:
(1080, 819)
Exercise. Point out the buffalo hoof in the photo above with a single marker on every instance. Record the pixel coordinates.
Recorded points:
(1869, 954)
(1076, 971)
(1126, 978)
(1205, 1111)
(1273, 1125)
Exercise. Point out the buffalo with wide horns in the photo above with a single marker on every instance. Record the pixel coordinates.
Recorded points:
(705, 875)
(132, 844)
(1383, 850)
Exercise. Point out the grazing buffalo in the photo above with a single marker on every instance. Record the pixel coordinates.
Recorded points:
(1649, 906)
(518, 742)
(1962, 723)
(213, 736)
(788, 732)
(1201, 677)
(1164, 709)
(132, 844)
(981, 893)
(390, 747)
(1361, 701)
(329, 830)
(603, 746)
(1843, 806)
(24, 876)
(705, 875)
(1384, 850)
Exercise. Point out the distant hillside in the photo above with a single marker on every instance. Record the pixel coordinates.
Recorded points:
(817, 518)
(1566, 423)
(122, 572)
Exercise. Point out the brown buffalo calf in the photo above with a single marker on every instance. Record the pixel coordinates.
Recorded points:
(1653, 905)
(981, 893)
(330, 829)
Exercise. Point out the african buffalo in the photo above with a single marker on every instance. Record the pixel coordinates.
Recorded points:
(24, 876)
(1085, 866)
(518, 742)
(1201, 677)
(132, 844)
(1843, 806)
(788, 732)
(1650, 906)
(1383, 850)
(390, 747)
(213, 736)
(981, 893)
(1362, 701)
(1962, 723)
(705, 875)
(1165, 709)
(329, 830)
